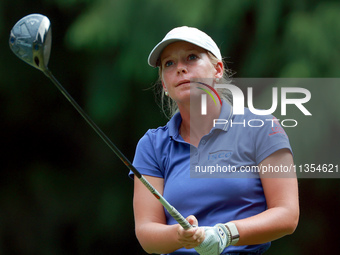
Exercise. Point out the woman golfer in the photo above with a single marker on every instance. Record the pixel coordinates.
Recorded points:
(201, 166)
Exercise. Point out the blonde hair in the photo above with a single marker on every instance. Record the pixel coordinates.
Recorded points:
(169, 107)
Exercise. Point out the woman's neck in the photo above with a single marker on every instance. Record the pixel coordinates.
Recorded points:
(194, 124)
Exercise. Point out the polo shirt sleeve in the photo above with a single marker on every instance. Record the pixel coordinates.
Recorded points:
(145, 160)
(270, 138)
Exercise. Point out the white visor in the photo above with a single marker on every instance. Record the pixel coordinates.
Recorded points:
(187, 34)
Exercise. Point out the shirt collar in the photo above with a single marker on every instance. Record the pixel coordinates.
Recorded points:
(174, 125)
(225, 117)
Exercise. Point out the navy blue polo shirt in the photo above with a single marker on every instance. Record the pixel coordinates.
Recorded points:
(197, 181)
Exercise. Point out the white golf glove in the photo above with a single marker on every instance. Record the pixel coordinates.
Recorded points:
(216, 239)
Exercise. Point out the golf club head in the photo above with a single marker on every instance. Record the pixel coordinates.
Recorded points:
(31, 39)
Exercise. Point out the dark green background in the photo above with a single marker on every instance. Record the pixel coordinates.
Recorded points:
(62, 191)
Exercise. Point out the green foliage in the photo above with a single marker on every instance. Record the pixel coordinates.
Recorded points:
(315, 36)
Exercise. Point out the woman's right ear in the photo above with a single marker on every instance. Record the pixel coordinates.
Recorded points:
(164, 87)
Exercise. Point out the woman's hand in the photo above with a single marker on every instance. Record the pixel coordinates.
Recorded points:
(192, 237)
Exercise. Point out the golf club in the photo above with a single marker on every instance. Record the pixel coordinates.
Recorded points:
(30, 40)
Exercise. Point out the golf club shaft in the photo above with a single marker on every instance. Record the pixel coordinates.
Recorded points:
(172, 211)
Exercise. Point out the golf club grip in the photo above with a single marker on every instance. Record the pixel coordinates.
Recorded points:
(179, 218)
(172, 211)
